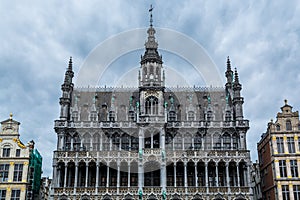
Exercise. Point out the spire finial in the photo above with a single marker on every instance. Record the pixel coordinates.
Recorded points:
(70, 64)
(151, 19)
(285, 101)
(228, 64)
(236, 76)
(10, 116)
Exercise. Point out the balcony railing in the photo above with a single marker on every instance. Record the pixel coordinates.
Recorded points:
(153, 189)
(148, 119)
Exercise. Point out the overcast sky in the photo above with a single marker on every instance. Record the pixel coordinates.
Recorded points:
(38, 37)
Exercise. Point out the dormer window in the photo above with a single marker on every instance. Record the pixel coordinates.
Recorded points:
(288, 125)
(277, 127)
(6, 151)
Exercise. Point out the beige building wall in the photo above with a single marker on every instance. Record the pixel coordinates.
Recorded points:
(13, 153)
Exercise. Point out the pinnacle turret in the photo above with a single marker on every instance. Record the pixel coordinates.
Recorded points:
(151, 53)
(236, 77)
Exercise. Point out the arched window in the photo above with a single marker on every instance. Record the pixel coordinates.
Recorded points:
(235, 141)
(125, 142)
(86, 141)
(197, 141)
(151, 105)
(6, 151)
(207, 142)
(288, 125)
(188, 142)
(151, 69)
(226, 141)
(217, 141)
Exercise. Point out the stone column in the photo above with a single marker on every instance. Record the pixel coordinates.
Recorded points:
(97, 177)
(128, 177)
(66, 172)
(217, 175)
(72, 141)
(163, 176)
(107, 176)
(206, 174)
(227, 177)
(118, 174)
(175, 183)
(238, 174)
(76, 177)
(196, 175)
(151, 140)
(185, 175)
(86, 174)
(140, 163)
(55, 176)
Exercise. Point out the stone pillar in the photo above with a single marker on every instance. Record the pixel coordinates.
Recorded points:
(55, 176)
(163, 176)
(128, 177)
(151, 140)
(97, 177)
(140, 163)
(185, 175)
(72, 146)
(196, 175)
(118, 174)
(217, 175)
(76, 177)
(238, 174)
(227, 176)
(86, 174)
(206, 174)
(107, 176)
(66, 172)
(175, 181)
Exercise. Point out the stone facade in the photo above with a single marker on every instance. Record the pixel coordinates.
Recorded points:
(151, 142)
(279, 156)
(14, 161)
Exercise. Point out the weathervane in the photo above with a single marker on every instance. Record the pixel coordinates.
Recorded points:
(150, 10)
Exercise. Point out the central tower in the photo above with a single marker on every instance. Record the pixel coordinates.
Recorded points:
(151, 77)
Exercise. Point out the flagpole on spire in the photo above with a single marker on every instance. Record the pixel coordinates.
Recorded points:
(151, 19)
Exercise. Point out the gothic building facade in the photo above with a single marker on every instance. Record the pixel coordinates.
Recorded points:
(153, 142)
(279, 156)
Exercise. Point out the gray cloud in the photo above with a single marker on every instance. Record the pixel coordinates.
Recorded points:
(262, 39)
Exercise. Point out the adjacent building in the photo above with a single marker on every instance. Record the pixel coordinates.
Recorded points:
(279, 156)
(151, 142)
(45, 188)
(15, 159)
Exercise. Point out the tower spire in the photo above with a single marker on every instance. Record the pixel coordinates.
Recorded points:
(236, 76)
(151, 18)
(228, 64)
